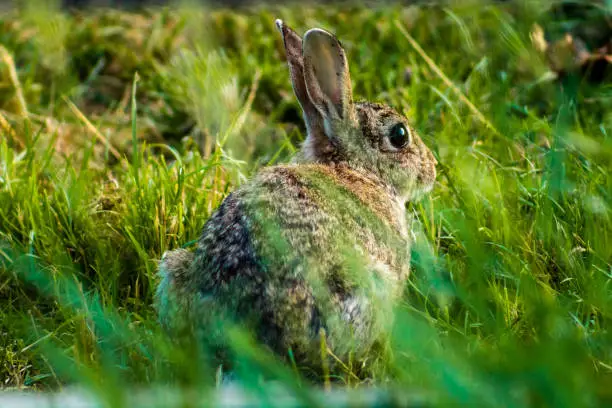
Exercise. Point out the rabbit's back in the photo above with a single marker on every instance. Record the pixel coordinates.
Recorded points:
(302, 248)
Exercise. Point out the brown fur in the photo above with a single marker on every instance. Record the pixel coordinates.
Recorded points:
(320, 244)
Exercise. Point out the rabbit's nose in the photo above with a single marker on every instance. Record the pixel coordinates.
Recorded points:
(435, 161)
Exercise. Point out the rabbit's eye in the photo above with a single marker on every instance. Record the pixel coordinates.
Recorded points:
(399, 136)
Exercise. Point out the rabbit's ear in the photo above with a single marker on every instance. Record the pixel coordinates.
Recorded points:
(293, 50)
(326, 74)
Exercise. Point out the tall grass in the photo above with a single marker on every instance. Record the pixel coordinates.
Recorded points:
(509, 301)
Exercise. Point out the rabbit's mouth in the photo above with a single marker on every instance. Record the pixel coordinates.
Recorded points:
(421, 188)
(425, 180)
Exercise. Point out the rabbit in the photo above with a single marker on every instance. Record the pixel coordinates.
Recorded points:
(319, 248)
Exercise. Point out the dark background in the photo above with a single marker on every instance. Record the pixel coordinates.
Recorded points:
(137, 3)
(131, 4)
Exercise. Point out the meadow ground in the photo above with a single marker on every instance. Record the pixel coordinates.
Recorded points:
(122, 131)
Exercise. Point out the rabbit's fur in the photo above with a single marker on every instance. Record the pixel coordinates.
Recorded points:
(316, 246)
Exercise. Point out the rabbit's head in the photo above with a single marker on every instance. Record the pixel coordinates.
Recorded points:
(370, 136)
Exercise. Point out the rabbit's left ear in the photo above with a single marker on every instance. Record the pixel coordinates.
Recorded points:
(326, 74)
(316, 139)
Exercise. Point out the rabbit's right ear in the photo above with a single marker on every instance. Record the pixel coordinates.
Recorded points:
(326, 74)
(316, 140)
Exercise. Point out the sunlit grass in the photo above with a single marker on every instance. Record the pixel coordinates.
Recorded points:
(509, 301)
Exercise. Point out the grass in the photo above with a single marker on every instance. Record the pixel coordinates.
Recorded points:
(122, 132)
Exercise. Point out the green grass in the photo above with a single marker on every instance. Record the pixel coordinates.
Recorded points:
(509, 301)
